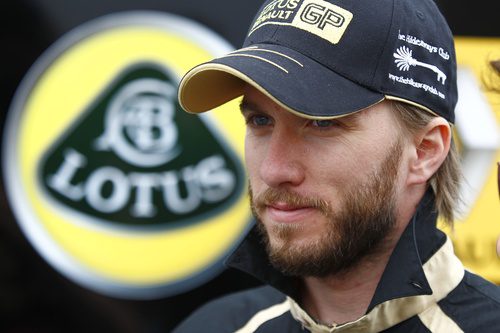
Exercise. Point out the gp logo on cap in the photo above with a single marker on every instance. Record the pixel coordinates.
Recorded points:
(111, 182)
(320, 18)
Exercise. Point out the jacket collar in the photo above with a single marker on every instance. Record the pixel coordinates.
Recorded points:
(404, 275)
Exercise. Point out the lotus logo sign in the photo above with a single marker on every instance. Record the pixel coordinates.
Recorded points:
(113, 184)
(131, 158)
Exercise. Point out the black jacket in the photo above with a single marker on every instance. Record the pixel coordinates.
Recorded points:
(424, 288)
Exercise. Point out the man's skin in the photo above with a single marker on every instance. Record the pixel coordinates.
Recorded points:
(320, 158)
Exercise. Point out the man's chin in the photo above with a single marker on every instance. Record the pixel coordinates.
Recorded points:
(293, 240)
(293, 259)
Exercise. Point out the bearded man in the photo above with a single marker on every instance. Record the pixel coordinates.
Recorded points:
(349, 108)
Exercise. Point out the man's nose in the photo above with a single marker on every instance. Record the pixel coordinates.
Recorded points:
(284, 161)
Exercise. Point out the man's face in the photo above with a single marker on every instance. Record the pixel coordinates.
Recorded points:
(324, 192)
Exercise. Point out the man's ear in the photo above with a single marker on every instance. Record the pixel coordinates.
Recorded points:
(432, 144)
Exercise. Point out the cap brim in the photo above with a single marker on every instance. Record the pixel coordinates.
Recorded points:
(291, 79)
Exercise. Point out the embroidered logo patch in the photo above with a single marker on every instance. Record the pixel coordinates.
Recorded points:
(404, 60)
(320, 18)
(415, 61)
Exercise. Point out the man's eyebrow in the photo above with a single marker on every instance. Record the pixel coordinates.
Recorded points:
(246, 106)
(352, 117)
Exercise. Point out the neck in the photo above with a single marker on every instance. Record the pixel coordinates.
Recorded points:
(345, 296)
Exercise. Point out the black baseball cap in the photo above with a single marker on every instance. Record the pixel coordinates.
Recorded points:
(323, 59)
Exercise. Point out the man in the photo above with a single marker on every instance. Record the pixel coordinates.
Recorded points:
(349, 107)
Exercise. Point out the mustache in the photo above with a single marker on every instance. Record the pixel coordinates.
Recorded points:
(273, 195)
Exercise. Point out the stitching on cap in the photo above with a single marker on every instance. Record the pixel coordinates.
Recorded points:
(386, 44)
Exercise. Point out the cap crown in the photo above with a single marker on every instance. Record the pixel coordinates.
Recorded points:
(401, 48)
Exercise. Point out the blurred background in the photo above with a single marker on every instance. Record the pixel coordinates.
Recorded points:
(37, 296)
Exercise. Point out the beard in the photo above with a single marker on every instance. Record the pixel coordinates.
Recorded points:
(354, 231)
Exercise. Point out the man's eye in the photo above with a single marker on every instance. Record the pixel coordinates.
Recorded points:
(259, 120)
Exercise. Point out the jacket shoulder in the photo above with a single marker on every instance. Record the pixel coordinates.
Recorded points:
(474, 305)
(230, 312)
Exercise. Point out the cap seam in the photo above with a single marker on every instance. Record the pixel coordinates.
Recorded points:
(380, 55)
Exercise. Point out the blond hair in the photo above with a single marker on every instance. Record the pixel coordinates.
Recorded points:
(492, 79)
(446, 181)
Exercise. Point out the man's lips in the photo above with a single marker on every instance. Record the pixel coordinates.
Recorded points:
(286, 213)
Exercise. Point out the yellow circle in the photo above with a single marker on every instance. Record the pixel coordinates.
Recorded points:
(60, 95)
